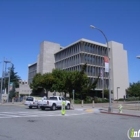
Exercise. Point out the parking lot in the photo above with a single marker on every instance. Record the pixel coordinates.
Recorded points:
(18, 122)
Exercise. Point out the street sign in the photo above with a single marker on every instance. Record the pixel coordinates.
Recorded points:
(73, 91)
(11, 86)
(73, 97)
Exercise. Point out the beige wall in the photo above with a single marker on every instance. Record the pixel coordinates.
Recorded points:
(46, 57)
(119, 69)
(24, 89)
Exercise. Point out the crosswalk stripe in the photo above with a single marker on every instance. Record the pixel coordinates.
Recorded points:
(36, 114)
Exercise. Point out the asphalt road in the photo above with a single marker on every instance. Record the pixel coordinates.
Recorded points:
(21, 123)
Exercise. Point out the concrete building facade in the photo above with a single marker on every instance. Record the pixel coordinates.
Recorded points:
(45, 62)
(83, 51)
(32, 70)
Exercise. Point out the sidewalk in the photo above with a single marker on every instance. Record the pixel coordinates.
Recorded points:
(10, 103)
(127, 110)
(132, 113)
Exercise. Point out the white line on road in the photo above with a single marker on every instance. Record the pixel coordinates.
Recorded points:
(34, 114)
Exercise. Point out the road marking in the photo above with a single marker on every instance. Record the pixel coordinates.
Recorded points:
(36, 114)
(89, 110)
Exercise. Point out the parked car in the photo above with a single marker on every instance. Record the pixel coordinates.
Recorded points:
(31, 102)
(54, 102)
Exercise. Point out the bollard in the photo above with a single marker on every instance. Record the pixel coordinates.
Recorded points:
(93, 104)
(82, 103)
(13, 100)
(120, 108)
(63, 111)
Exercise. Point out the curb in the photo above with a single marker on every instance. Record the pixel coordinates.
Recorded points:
(120, 114)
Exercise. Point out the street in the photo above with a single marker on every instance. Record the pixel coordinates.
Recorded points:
(19, 123)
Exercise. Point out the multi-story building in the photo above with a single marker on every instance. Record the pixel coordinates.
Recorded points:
(24, 88)
(32, 70)
(45, 61)
(83, 51)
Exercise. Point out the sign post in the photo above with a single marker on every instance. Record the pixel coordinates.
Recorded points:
(73, 91)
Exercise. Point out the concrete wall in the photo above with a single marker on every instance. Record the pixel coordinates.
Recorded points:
(38, 64)
(46, 57)
(119, 69)
(24, 89)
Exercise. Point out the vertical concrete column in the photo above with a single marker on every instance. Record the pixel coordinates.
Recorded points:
(93, 104)
(82, 103)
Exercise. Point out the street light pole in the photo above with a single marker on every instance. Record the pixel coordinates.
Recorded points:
(1, 81)
(110, 107)
(9, 77)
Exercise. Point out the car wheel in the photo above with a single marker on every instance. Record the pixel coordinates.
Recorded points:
(68, 106)
(42, 108)
(53, 107)
(30, 107)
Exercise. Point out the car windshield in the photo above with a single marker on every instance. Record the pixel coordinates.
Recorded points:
(29, 99)
(53, 98)
(63, 99)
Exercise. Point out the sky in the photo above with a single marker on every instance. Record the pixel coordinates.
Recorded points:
(24, 24)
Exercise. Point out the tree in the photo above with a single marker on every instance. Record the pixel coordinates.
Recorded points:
(14, 77)
(84, 84)
(60, 79)
(47, 81)
(134, 89)
(64, 81)
(12, 92)
(43, 82)
(36, 83)
(79, 81)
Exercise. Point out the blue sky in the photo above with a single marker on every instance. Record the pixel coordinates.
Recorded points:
(24, 24)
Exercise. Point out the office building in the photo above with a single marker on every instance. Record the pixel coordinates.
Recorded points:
(83, 51)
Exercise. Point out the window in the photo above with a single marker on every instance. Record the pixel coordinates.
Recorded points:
(53, 98)
(92, 49)
(63, 99)
(29, 99)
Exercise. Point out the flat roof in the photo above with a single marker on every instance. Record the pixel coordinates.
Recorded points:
(32, 64)
(85, 40)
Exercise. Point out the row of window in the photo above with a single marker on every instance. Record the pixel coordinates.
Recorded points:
(77, 59)
(94, 49)
(68, 62)
(87, 47)
(90, 70)
(32, 74)
(32, 68)
(95, 60)
(67, 52)
(95, 71)
(101, 84)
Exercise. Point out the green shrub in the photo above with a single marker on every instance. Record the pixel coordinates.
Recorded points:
(88, 99)
(77, 101)
(100, 100)
(132, 99)
(129, 99)
(121, 99)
